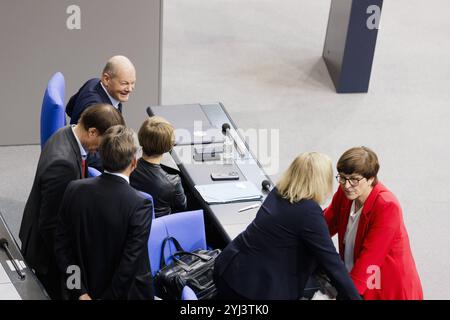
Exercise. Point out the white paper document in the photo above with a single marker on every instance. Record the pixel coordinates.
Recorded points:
(229, 192)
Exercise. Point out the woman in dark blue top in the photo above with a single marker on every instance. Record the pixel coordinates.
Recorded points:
(287, 241)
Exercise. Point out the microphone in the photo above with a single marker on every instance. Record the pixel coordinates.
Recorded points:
(226, 129)
(266, 185)
(4, 245)
(3, 242)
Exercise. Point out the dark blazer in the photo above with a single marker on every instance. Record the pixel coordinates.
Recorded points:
(277, 253)
(162, 184)
(59, 163)
(103, 228)
(89, 94)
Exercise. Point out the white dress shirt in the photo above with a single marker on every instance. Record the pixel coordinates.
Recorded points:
(350, 236)
(82, 151)
(127, 179)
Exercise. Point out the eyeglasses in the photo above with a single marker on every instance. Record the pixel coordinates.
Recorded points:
(353, 181)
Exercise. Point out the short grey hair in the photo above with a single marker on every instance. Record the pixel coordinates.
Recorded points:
(118, 148)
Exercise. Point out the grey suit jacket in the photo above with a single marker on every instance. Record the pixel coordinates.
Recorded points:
(59, 163)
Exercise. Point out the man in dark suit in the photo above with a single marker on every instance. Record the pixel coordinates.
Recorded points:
(115, 86)
(116, 83)
(61, 161)
(104, 226)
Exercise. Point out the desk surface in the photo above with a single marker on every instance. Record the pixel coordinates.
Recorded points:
(11, 286)
(227, 217)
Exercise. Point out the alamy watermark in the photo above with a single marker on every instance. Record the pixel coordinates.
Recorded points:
(73, 281)
(373, 22)
(73, 21)
(264, 144)
(374, 280)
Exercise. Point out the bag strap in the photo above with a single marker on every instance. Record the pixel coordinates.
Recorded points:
(201, 256)
(184, 265)
(162, 262)
(195, 283)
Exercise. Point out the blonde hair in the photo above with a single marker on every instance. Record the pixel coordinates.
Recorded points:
(156, 136)
(310, 176)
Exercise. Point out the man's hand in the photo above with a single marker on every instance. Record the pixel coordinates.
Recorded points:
(85, 297)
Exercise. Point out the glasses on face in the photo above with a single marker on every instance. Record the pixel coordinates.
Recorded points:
(354, 182)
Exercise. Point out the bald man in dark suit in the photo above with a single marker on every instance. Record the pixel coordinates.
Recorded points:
(114, 87)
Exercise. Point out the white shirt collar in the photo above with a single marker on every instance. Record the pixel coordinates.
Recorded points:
(82, 151)
(127, 179)
(354, 213)
(114, 102)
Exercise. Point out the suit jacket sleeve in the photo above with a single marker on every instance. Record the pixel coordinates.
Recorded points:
(53, 184)
(136, 243)
(386, 219)
(71, 104)
(317, 239)
(331, 213)
(77, 103)
(63, 242)
(179, 198)
(86, 102)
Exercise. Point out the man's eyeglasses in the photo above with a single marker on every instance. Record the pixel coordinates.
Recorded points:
(343, 180)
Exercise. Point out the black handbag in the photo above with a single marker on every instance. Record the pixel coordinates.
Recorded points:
(194, 269)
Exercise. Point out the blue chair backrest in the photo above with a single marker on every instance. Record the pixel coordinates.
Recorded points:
(52, 111)
(158, 233)
(92, 172)
(188, 294)
(187, 227)
(147, 196)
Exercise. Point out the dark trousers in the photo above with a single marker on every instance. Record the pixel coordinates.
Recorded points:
(51, 282)
(224, 291)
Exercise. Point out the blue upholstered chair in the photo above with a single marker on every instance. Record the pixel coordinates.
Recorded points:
(147, 196)
(188, 294)
(52, 111)
(187, 227)
(158, 233)
(92, 172)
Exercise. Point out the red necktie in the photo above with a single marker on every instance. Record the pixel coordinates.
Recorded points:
(83, 168)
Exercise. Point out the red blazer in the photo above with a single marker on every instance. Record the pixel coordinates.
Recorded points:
(384, 268)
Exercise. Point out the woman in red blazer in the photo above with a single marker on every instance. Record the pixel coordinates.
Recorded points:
(373, 241)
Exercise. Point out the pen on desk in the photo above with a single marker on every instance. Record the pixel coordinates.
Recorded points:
(253, 206)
